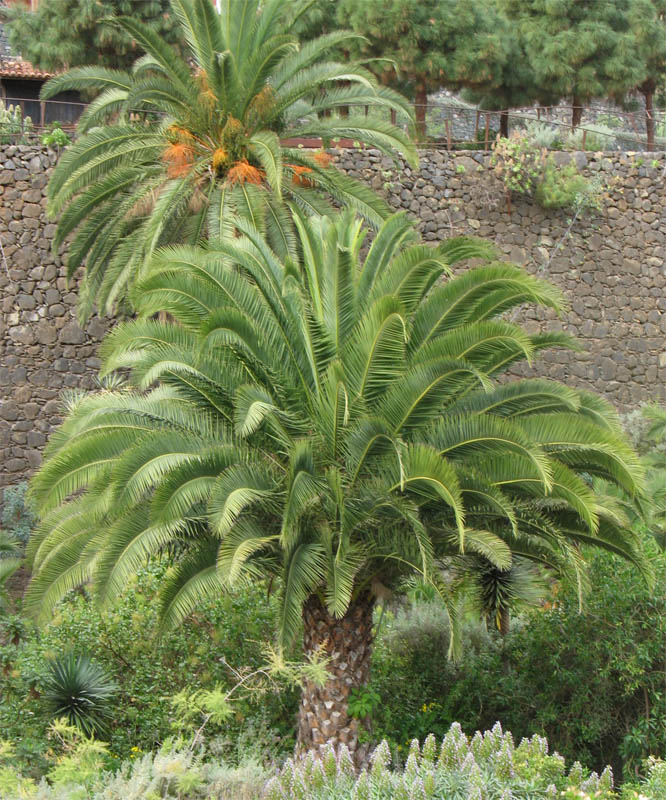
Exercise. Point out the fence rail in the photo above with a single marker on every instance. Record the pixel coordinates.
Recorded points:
(44, 112)
(452, 125)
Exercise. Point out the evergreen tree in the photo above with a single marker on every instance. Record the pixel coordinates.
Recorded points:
(511, 83)
(428, 44)
(648, 23)
(578, 50)
(62, 34)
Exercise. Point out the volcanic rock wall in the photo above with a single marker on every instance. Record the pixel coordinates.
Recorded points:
(610, 265)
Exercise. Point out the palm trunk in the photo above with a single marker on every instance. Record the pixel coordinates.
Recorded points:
(577, 113)
(420, 108)
(648, 92)
(323, 716)
(344, 110)
(504, 621)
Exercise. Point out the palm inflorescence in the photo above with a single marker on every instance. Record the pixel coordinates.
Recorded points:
(333, 421)
(170, 151)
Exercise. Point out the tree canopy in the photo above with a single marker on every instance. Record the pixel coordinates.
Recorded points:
(511, 81)
(174, 149)
(579, 50)
(330, 422)
(648, 25)
(428, 44)
(61, 34)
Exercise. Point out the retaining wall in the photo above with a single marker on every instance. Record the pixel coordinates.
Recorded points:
(611, 266)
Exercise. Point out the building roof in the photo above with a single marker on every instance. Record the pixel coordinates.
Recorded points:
(21, 70)
(12, 65)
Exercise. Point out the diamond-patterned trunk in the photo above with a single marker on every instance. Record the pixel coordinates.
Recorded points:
(347, 643)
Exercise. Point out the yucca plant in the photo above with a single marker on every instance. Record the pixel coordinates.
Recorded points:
(81, 691)
(170, 151)
(331, 423)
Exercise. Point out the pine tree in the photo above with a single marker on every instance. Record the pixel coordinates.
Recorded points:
(578, 50)
(648, 23)
(428, 44)
(511, 83)
(62, 34)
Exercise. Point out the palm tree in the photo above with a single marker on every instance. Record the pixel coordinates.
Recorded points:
(170, 150)
(330, 424)
(497, 593)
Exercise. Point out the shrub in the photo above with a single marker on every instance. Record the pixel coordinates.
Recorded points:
(590, 683)
(55, 136)
(487, 765)
(527, 169)
(518, 163)
(565, 187)
(541, 134)
(13, 125)
(592, 137)
(17, 519)
(226, 634)
(654, 784)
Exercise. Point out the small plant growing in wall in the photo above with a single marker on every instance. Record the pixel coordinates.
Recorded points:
(55, 136)
(388, 183)
(567, 188)
(580, 196)
(518, 164)
(529, 170)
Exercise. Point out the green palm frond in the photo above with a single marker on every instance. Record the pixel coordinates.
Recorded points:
(210, 125)
(325, 414)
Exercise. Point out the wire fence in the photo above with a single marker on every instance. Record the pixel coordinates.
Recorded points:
(42, 113)
(451, 125)
(457, 126)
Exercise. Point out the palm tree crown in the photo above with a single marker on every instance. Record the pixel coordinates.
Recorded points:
(331, 422)
(168, 150)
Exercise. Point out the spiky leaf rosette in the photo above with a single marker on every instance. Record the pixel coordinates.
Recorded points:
(333, 422)
(80, 690)
(174, 149)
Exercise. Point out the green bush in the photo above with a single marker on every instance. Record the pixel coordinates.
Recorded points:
(592, 683)
(565, 187)
(485, 766)
(55, 136)
(225, 635)
(17, 518)
(525, 168)
(542, 134)
(518, 163)
(170, 772)
(595, 138)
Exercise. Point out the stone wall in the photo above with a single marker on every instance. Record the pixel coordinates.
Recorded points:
(610, 266)
(42, 349)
